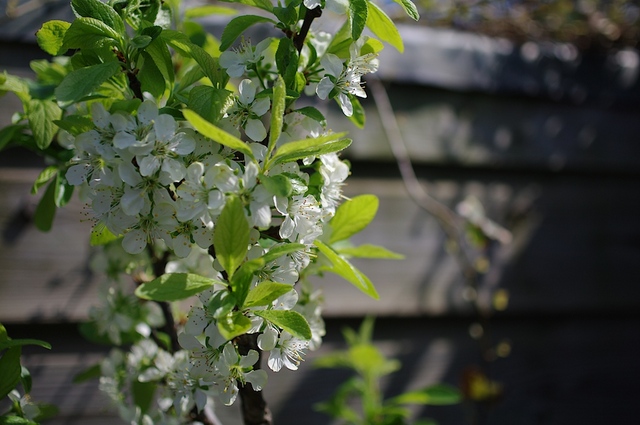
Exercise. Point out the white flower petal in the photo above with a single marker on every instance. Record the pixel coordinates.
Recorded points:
(255, 130)
(260, 106)
(134, 241)
(324, 87)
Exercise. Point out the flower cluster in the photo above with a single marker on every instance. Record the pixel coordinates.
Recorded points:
(161, 183)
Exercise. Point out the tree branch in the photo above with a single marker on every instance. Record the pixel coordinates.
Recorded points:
(309, 16)
(254, 407)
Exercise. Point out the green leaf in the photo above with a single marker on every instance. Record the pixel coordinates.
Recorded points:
(51, 36)
(158, 51)
(4, 336)
(92, 372)
(63, 191)
(278, 251)
(357, 17)
(300, 149)
(85, 81)
(352, 217)
(100, 235)
(10, 370)
(279, 184)
(289, 320)
(265, 293)
(41, 115)
(22, 342)
(261, 4)
(143, 393)
(313, 113)
(215, 133)
(100, 11)
(241, 281)
(202, 11)
(370, 251)
(46, 209)
(25, 379)
(358, 117)
(44, 176)
(15, 420)
(174, 287)
(344, 268)
(15, 85)
(287, 61)
(75, 124)
(277, 113)
(89, 33)
(231, 235)
(383, 27)
(150, 77)
(10, 133)
(435, 395)
(212, 70)
(409, 8)
(141, 41)
(209, 102)
(233, 324)
(237, 26)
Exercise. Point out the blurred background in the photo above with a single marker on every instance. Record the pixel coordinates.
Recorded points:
(518, 118)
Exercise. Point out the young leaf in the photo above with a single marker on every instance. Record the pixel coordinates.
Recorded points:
(242, 278)
(435, 395)
(280, 250)
(209, 102)
(46, 209)
(289, 320)
(216, 133)
(10, 370)
(383, 27)
(100, 11)
(202, 11)
(352, 217)
(265, 293)
(233, 324)
(41, 115)
(88, 33)
(344, 268)
(237, 26)
(300, 149)
(84, 81)
(357, 17)
(25, 379)
(277, 113)
(278, 185)
(51, 36)
(410, 8)
(231, 235)
(370, 251)
(100, 235)
(44, 176)
(174, 287)
(63, 191)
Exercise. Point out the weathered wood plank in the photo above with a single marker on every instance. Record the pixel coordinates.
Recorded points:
(575, 249)
(559, 371)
